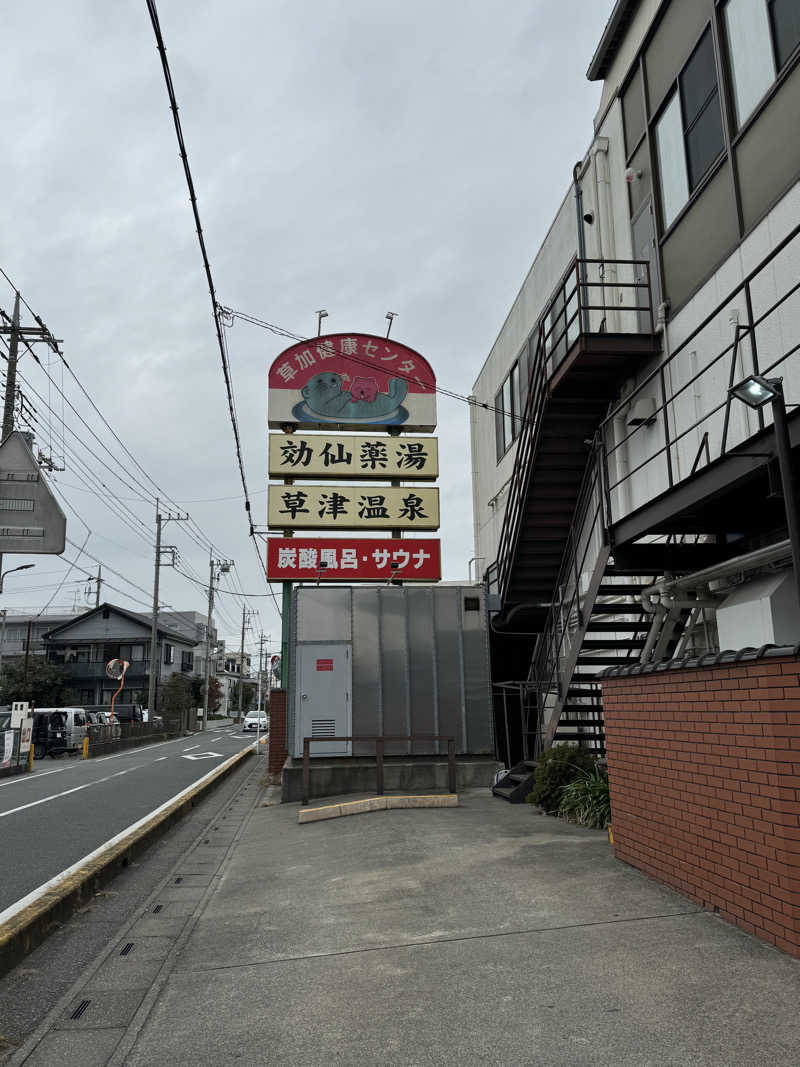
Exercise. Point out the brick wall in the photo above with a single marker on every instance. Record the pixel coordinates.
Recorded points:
(277, 731)
(704, 768)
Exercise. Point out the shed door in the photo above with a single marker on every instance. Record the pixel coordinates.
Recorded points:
(324, 697)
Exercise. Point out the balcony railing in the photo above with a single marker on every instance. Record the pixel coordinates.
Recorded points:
(690, 406)
(89, 671)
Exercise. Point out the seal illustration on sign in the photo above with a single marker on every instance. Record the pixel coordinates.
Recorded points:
(326, 400)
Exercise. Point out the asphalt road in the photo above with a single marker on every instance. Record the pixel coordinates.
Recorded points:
(65, 809)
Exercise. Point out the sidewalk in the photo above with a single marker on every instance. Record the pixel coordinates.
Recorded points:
(475, 935)
(481, 934)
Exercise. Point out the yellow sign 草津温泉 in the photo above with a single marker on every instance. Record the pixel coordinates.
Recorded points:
(352, 507)
(299, 455)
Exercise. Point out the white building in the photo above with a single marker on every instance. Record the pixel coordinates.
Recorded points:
(615, 456)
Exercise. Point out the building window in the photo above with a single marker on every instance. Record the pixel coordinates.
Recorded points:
(762, 36)
(87, 696)
(137, 653)
(169, 653)
(187, 661)
(689, 136)
(750, 48)
(785, 19)
(508, 405)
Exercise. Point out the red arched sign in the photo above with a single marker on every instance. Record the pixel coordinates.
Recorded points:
(352, 381)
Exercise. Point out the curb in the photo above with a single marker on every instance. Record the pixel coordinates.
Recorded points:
(357, 807)
(22, 932)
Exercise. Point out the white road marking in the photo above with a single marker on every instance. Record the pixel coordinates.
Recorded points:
(160, 758)
(18, 779)
(189, 749)
(204, 755)
(35, 894)
(66, 792)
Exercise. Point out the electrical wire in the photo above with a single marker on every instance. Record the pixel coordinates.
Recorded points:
(233, 314)
(151, 7)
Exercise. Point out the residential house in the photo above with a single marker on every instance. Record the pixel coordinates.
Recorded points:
(85, 644)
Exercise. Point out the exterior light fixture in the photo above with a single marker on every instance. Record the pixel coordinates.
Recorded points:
(756, 390)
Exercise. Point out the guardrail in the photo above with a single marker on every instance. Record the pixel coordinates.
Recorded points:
(116, 736)
(379, 756)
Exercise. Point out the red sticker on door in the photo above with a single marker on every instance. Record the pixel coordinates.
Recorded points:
(324, 664)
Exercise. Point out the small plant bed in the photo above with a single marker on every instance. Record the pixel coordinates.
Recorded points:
(569, 782)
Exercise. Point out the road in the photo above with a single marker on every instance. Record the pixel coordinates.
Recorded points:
(54, 817)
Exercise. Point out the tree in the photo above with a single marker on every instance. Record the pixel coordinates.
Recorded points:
(44, 685)
(247, 699)
(176, 700)
(214, 695)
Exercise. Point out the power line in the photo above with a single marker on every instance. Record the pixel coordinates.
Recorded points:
(232, 314)
(151, 7)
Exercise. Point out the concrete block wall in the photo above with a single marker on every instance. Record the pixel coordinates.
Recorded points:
(704, 770)
(277, 731)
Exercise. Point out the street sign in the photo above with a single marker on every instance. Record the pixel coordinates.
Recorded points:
(353, 559)
(328, 455)
(352, 507)
(352, 381)
(31, 521)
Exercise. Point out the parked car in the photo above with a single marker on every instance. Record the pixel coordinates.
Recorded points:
(256, 721)
(58, 730)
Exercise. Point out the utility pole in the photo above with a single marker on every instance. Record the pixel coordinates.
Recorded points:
(216, 568)
(99, 581)
(11, 372)
(260, 669)
(161, 520)
(2, 639)
(245, 613)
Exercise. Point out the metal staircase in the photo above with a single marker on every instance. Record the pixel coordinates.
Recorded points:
(555, 575)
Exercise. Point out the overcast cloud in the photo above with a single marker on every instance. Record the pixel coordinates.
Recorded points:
(359, 156)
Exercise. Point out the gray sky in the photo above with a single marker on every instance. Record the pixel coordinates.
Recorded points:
(359, 156)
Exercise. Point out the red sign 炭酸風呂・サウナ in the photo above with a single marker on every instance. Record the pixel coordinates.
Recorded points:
(353, 559)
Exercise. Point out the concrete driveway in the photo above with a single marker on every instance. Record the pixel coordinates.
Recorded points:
(481, 934)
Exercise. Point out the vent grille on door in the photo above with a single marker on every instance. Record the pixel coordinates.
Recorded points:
(323, 727)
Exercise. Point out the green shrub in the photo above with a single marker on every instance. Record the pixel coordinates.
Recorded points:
(585, 799)
(555, 769)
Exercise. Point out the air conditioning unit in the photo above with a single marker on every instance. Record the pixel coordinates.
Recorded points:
(642, 412)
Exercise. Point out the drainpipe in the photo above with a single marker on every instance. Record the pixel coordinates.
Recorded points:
(584, 318)
(605, 227)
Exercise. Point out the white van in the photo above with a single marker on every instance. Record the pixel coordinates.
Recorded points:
(73, 722)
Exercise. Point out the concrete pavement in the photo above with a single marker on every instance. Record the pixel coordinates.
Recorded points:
(470, 935)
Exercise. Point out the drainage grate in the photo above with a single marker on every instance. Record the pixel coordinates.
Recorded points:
(126, 949)
(179, 879)
(157, 908)
(81, 1008)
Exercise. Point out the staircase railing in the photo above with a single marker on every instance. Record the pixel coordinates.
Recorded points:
(523, 466)
(590, 293)
(563, 630)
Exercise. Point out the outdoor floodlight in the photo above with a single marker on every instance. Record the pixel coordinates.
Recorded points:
(755, 391)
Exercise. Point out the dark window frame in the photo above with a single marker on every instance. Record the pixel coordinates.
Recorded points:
(716, 162)
(782, 72)
(502, 443)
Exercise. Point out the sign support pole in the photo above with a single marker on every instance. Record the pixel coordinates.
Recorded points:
(286, 607)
